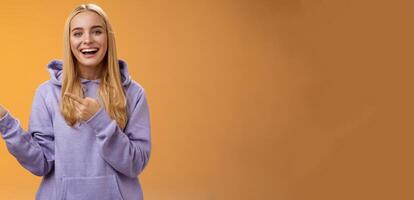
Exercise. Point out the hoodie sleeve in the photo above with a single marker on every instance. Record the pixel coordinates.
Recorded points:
(35, 149)
(128, 150)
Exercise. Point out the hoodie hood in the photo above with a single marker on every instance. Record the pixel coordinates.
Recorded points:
(55, 68)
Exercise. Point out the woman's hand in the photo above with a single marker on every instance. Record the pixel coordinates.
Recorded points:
(85, 107)
(3, 111)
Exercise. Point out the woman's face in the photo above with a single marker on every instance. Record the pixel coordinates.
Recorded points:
(88, 39)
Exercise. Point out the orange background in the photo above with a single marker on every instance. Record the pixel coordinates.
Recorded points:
(283, 99)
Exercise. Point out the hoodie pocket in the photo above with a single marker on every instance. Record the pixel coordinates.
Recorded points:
(88, 188)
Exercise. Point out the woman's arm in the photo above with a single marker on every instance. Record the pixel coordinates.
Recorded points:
(126, 151)
(35, 149)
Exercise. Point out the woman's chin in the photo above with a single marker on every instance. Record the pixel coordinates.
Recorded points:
(89, 63)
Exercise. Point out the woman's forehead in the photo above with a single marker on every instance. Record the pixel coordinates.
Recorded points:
(86, 20)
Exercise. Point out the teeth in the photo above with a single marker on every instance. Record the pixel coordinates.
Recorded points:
(88, 50)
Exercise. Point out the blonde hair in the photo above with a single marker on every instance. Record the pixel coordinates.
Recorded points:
(111, 92)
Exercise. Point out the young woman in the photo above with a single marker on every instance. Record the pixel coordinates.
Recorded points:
(89, 129)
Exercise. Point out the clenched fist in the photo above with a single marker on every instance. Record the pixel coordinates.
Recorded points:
(85, 107)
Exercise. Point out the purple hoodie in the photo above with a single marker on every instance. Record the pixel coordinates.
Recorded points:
(94, 159)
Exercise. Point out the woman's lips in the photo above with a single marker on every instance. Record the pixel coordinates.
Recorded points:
(89, 52)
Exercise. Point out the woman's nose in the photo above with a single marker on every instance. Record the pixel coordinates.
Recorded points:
(87, 39)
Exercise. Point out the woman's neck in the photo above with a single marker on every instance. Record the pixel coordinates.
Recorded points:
(90, 73)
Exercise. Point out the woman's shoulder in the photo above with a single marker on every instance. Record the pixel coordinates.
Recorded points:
(135, 94)
(47, 88)
(135, 88)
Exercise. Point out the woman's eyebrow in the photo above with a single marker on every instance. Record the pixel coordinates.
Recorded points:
(77, 28)
(93, 27)
(97, 26)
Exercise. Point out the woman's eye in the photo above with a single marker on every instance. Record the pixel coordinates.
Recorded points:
(77, 34)
(97, 32)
